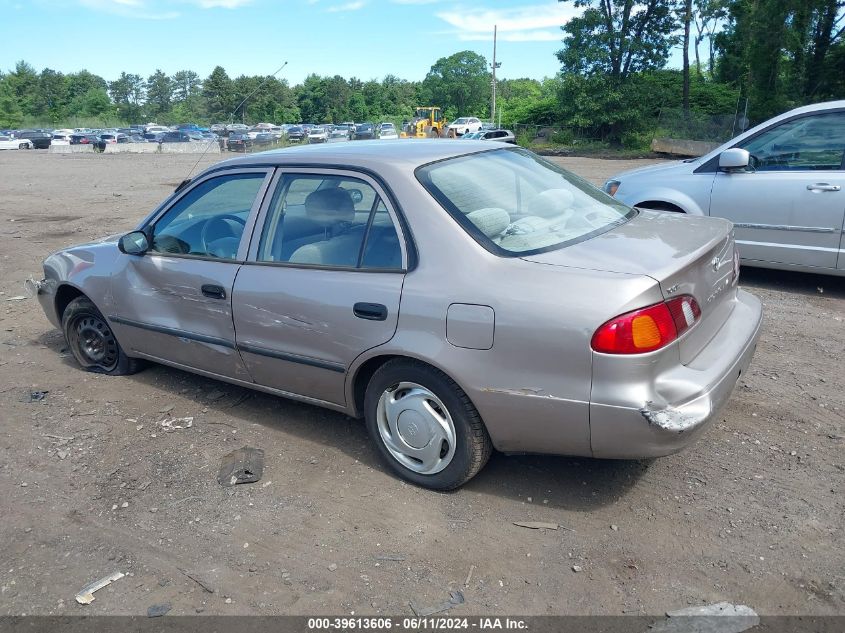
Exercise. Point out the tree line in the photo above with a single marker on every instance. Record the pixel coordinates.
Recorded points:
(754, 57)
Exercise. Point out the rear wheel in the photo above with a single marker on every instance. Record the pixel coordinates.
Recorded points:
(23, 146)
(92, 341)
(424, 425)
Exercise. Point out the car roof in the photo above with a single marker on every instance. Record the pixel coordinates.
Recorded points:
(368, 154)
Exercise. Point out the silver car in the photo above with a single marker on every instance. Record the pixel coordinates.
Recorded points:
(459, 297)
(780, 183)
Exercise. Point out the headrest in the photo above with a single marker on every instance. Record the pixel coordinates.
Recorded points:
(551, 203)
(330, 206)
(491, 221)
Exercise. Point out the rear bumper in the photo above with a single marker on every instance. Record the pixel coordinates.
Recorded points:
(662, 414)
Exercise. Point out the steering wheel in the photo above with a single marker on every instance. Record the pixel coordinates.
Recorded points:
(214, 220)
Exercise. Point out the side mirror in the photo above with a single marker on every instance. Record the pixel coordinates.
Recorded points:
(134, 243)
(734, 159)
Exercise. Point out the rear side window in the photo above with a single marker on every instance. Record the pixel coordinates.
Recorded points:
(514, 203)
(331, 221)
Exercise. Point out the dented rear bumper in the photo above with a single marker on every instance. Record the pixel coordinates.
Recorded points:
(651, 405)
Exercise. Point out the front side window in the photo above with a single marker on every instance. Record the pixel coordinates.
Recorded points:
(514, 203)
(809, 143)
(209, 220)
(329, 220)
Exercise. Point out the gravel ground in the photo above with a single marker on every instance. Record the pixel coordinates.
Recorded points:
(751, 514)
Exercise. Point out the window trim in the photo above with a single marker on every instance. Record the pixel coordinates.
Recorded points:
(341, 172)
(149, 222)
(712, 165)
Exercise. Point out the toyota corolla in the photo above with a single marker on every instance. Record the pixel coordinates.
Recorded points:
(456, 296)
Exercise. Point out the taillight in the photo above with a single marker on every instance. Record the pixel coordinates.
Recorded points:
(647, 329)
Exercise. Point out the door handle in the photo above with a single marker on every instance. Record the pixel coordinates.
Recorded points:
(215, 292)
(370, 311)
(823, 186)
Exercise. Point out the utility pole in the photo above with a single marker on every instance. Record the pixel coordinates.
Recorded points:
(494, 66)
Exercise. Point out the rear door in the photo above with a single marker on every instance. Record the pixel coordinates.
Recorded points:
(322, 283)
(790, 208)
(174, 303)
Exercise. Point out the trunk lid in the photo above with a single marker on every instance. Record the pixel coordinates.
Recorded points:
(684, 254)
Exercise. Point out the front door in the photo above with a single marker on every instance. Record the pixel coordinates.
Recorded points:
(174, 303)
(790, 207)
(322, 282)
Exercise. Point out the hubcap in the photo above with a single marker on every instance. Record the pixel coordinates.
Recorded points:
(94, 343)
(416, 428)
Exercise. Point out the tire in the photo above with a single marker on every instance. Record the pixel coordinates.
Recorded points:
(23, 146)
(437, 414)
(92, 342)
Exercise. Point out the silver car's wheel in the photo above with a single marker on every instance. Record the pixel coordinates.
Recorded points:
(92, 341)
(416, 428)
(424, 425)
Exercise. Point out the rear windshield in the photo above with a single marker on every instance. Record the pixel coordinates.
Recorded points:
(515, 203)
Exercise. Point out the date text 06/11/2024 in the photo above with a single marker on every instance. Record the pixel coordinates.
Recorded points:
(415, 623)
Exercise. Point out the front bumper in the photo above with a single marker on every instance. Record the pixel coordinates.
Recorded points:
(661, 413)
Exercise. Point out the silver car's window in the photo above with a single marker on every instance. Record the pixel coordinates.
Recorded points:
(515, 203)
(332, 221)
(808, 143)
(209, 220)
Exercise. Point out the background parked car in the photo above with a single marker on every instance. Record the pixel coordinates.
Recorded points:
(239, 142)
(296, 134)
(175, 137)
(84, 139)
(503, 136)
(7, 142)
(318, 135)
(387, 131)
(463, 125)
(338, 134)
(364, 131)
(263, 139)
(40, 139)
(780, 183)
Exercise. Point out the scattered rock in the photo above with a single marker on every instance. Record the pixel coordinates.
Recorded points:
(577, 568)
(332, 567)
(158, 610)
(455, 598)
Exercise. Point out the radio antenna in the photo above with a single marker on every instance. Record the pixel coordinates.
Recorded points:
(231, 120)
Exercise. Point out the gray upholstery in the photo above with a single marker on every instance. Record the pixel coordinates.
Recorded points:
(552, 203)
(330, 206)
(341, 250)
(334, 209)
(490, 221)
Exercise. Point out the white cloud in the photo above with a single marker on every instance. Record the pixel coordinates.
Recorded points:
(156, 9)
(221, 4)
(535, 23)
(349, 6)
(512, 36)
(137, 9)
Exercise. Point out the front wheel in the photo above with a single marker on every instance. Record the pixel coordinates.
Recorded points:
(92, 341)
(425, 426)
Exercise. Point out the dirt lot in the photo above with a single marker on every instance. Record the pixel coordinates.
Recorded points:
(752, 513)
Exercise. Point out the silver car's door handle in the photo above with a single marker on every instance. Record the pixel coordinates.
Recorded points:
(823, 186)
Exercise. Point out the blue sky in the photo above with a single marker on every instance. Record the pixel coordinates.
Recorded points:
(361, 38)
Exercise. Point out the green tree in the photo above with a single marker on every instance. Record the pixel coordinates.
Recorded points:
(51, 98)
(11, 115)
(127, 91)
(159, 94)
(459, 84)
(618, 37)
(94, 103)
(23, 81)
(217, 92)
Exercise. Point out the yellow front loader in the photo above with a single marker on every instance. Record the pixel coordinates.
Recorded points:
(428, 122)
